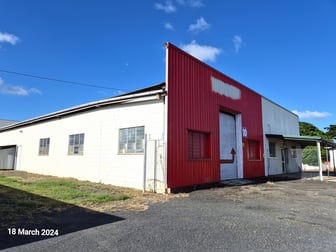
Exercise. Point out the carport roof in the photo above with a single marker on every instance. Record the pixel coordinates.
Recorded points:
(304, 140)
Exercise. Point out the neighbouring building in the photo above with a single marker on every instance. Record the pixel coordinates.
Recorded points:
(4, 123)
(198, 127)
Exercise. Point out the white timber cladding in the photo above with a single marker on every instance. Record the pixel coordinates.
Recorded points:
(101, 160)
(278, 120)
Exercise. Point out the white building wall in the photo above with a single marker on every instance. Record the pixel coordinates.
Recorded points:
(332, 160)
(278, 120)
(101, 161)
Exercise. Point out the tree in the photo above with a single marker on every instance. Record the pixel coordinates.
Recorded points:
(308, 129)
(309, 153)
(331, 131)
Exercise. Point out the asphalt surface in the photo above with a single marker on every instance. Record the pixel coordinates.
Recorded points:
(297, 215)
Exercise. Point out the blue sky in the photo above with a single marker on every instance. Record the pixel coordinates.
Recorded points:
(285, 50)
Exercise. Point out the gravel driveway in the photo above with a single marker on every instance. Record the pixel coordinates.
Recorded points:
(297, 215)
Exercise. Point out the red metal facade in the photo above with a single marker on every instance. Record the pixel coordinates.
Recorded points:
(194, 106)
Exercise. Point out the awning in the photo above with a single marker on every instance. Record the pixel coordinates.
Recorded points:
(308, 140)
(304, 140)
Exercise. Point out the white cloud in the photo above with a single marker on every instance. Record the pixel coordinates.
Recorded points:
(8, 38)
(202, 52)
(169, 26)
(311, 114)
(9, 89)
(237, 43)
(200, 25)
(167, 7)
(34, 91)
(191, 3)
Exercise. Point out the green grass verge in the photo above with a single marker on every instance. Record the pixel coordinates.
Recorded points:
(65, 190)
(23, 199)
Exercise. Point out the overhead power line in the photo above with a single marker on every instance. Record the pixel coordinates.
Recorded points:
(62, 81)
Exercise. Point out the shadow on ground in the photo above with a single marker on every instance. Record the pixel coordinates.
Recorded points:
(26, 218)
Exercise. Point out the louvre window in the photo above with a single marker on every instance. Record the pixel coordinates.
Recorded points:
(253, 150)
(131, 140)
(76, 144)
(198, 145)
(44, 146)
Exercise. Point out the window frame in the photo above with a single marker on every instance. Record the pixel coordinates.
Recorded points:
(253, 145)
(44, 146)
(131, 140)
(76, 144)
(272, 154)
(203, 151)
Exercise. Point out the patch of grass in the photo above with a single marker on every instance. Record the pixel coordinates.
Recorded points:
(66, 190)
(23, 199)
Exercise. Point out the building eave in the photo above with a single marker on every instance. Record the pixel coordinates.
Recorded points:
(150, 93)
(303, 140)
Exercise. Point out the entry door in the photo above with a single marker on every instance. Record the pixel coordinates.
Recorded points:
(228, 146)
(284, 160)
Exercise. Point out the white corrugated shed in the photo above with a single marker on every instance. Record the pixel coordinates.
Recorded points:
(285, 157)
(101, 123)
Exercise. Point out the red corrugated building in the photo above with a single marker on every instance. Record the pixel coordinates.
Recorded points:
(214, 129)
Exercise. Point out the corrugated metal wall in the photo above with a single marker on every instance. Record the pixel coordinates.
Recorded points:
(193, 105)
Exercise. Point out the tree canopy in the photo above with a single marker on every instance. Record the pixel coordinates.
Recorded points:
(331, 131)
(309, 152)
(308, 129)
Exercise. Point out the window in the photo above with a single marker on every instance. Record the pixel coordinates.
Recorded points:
(131, 140)
(272, 149)
(253, 150)
(44, 146)
(293, 152)
(76, 144)
(198, 145)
